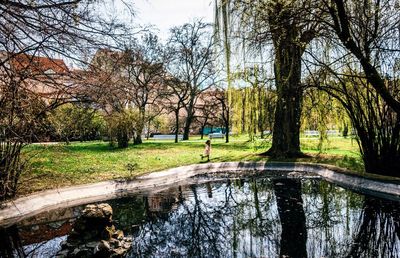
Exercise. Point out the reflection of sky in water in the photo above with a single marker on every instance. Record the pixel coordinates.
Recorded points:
(255, 218)
(44, 249)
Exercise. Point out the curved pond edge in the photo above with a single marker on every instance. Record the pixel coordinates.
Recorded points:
(13, 211)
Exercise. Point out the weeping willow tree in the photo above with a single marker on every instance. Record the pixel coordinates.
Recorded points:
(248, 113)
(322, 112)
(253, 103)
(221, 26)
(285, 24)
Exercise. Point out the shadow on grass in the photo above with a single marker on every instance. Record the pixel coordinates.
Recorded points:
(353, 163)
(192, 145)
(98, 147)
(244, 157)
(344, 161)
(94, 146)
(101, 147)
(90, 147)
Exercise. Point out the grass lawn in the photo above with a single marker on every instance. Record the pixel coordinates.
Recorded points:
(58, 165)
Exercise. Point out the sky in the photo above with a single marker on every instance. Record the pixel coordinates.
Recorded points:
(165, 14)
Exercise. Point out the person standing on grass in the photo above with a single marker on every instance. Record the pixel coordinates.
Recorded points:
(207, 150)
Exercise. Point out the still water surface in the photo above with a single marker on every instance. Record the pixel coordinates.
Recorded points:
(258, 217)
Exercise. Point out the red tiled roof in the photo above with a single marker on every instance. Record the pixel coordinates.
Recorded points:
(38, 64)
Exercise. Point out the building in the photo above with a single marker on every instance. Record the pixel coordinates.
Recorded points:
(46, 78)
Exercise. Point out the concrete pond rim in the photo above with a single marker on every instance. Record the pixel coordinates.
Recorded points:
(13, 211)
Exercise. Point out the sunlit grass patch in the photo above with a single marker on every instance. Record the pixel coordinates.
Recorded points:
(60, 165)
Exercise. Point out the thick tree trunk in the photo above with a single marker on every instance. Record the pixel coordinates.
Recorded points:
(67, 140)
(286, 132)
(243, 112)
(226, 121)
(190, 107)
(227, 133)
(186, 129)
(176, 125)
(138, 138)
(142, 117)
(122, 139)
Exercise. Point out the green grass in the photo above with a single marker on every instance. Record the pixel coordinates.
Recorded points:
(53, 166)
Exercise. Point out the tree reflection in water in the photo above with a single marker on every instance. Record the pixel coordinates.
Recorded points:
(378, 233)
(10, 243)
(222, 220)
(235, 219)
(262, 217)
(272, 218)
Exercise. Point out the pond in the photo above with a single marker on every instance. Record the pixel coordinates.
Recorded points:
(254, 217)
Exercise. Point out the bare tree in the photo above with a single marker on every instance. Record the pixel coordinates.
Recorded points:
(29, 32)
(105, 85)
(193, 55)
(175, 100)
(145, 79)
(222, 98)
